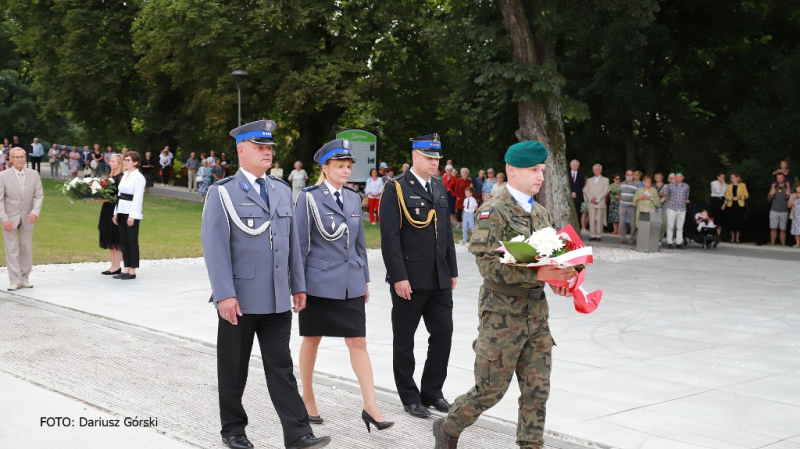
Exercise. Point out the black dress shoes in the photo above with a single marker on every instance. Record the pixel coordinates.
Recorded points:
(380, 425)
(315, 419)
(126, 277)
(119, 275)
(418, 410)
(440, 404)
(237, 442)
(119, 270)
(309, 442)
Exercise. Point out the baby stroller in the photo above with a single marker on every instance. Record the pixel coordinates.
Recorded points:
(702, 233)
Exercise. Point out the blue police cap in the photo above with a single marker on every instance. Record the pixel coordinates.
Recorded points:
(334, 150)
(259, 132)
(429, 145)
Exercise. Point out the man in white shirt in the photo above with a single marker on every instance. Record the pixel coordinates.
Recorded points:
(468, 217)
(36, 155)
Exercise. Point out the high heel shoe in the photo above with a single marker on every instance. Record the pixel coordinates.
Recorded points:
(378, 424)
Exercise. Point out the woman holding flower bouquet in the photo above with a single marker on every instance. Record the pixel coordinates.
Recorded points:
(128, 213)
(109, 234)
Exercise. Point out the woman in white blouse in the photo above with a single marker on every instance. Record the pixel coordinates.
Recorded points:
(128, 213)
(373, 189)
(715, 210)
(164, 161)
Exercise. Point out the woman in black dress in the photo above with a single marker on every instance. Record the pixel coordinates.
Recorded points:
(109, 233)
(334, 253)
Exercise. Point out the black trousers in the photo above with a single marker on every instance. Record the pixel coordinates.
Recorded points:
(165, 175)
(436, 308)
(36, 163)
(234, 344)
(129, 241)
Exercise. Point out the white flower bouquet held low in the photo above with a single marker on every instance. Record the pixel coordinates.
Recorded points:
(564, 249)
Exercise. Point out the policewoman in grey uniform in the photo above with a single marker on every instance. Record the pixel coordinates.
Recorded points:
(252, 253)
(334, 254)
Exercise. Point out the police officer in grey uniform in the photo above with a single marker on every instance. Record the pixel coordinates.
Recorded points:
(334, 252)
(252, 253)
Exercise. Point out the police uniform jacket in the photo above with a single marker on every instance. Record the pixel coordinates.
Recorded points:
(497, 220)
(336, 269)
(262, 276)
(426, 260)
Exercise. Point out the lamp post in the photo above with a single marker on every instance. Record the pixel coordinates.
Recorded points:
(237, 75)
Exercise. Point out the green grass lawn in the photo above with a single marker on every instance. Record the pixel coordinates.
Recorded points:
(67, 233)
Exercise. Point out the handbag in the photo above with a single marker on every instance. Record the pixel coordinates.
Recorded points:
(365, 201)
(93, 164)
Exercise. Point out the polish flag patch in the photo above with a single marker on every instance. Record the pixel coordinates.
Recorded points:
(484, 215)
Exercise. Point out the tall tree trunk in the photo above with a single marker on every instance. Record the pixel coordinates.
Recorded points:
(540, 119)
(650, 158)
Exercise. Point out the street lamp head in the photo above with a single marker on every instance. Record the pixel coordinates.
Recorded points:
(239, 73)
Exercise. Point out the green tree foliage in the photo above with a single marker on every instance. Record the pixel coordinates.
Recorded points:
(17, 109)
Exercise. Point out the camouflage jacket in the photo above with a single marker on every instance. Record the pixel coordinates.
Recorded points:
(498, 220)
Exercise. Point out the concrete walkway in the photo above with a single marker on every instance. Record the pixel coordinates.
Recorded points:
(695, 350)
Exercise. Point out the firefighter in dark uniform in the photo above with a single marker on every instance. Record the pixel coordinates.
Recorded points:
(420, 258)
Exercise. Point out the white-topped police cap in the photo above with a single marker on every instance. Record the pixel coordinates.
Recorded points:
(428, 145)
(334, 150)
(259, 132)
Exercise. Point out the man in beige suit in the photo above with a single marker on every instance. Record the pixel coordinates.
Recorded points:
(594, 193)
(20, 204)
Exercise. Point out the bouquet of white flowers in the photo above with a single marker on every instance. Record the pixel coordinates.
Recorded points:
(564, 249)
(82, 189)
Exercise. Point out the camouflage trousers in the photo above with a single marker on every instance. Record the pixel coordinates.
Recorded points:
(509, 344)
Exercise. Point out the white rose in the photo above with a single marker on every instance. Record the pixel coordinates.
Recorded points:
(545, 241)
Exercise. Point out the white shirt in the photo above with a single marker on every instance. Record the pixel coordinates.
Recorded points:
(373, 188)
(334, 191)
(470, 204)
(596, 179)
(574, 175)
(252, 178)
(521, 198)
(132, 183)
(422, 182)
(718, 189)
(38, 150)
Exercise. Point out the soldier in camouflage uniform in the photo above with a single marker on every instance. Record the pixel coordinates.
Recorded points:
(514, 335)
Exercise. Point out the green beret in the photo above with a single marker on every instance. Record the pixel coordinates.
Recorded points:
(526, 154)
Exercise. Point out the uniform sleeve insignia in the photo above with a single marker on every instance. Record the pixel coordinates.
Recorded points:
(484, 215)
(223, 181)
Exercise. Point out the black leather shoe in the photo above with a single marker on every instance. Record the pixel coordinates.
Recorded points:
(237, 442)
(119, 275)
(418, 410)
(309, 442)
(127, 276)
(119, 270)
(315, 419)
(440, 404)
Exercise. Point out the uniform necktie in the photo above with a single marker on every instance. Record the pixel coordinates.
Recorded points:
(21, 184)
(263, 184)
(531, 201)
(339, 200)
(428, 189)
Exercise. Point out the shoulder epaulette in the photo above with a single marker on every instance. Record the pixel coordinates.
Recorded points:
(281, 180)
(310, 188)
(348, 188)
(223, 181)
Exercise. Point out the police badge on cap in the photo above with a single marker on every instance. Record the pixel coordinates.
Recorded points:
(334, 150)
(429, 145)
(259, 132)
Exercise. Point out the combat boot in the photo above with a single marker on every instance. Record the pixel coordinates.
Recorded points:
(443, 439)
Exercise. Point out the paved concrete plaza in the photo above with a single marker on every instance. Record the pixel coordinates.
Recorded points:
(695, 349)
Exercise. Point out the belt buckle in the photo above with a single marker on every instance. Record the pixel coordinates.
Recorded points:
(535, 293)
